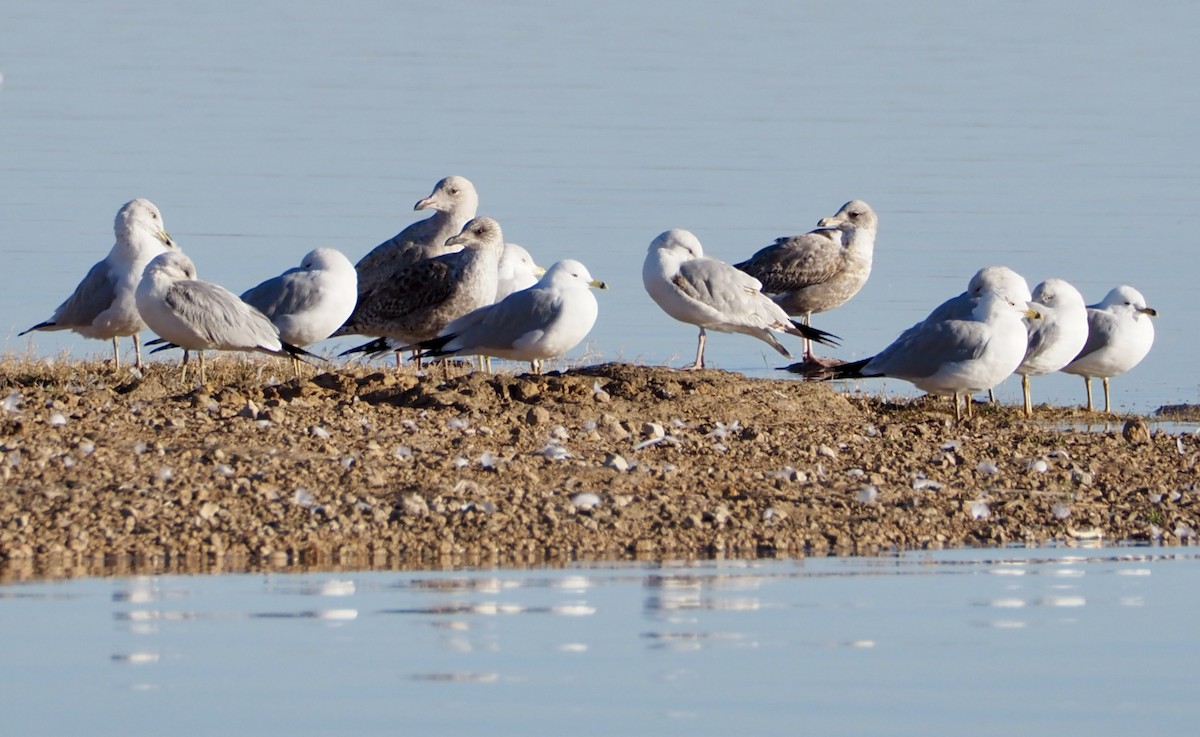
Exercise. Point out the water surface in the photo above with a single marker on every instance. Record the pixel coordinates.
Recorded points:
(994, 642)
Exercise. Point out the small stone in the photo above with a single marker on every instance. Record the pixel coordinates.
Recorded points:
(250, 411)
(585, 501)
(616, 462)
(1136, 431)
(537, 416)
(653, 430)
(208, 510)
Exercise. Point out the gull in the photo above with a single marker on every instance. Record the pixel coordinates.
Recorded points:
(425, 296)
(103, 305)
(1058, 337)
(516, 271)
(819, 270)
(196, 315)
(543, 321)
(1120, 335)
(454, 202)
(311, 301)
(952, 356)
(711, 294)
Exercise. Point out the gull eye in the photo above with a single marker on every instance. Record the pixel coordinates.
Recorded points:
(454, 190)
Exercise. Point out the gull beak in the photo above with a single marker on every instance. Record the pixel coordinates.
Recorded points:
(829, 222)
(1032, 314)
(165, 237)
(454, 240)
(1149, 311)
(597, 284)
(540, 271)
(427, 203)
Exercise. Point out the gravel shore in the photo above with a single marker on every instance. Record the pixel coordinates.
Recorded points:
(106, 474)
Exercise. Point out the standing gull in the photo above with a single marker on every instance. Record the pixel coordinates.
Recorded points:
(196, 315)
(1120, 335)
(425, 296)
(454, 202)
(819, 270)
(1056, 338)
(103, 305)
(309, 302)
(708, 293)
(543, 321)
(517, 271)
(952, 356)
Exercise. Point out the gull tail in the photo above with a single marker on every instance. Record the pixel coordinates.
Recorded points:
(432, 348)
(817, 336)
(851, 370)
(48, 325)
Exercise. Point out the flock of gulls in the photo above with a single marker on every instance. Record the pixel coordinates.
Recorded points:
(449, 285)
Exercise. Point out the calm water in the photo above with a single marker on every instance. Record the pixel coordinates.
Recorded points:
(1053, 137)
(1007, 642)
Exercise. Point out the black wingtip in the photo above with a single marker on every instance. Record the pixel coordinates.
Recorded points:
(39, 326)
(817, 372)
(165, 346)
(298, 353)
(817, 336)
(432, 348)
(379, 345)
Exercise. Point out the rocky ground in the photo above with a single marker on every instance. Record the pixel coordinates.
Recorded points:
(104, 473)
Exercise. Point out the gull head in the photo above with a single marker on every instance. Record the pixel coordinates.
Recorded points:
(679, 243)
(856, 213)
(141, 217)
(481, 232)
(1000, 280)
(570, 272)
(172, 265)
(451, 194)
(325, 259)
(1126, 297)
(1057, 294)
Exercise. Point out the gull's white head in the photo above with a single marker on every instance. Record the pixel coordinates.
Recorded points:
(172, 265)
(138, 218)
(325, 259)
(1126, 297)
(1058, 294)
(856, 213)
(1001, 280)
(679, 242)
(452, 194)
(570, 272)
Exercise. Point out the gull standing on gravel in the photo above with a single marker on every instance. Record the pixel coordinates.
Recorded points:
(708, 293)
(308, 303)
(196, 315)
(103, 305)
(1120, 334)
(819, 270)
(517, 271)
(1058, 337)
(543, 321)
(953, 356)
(425, 296)
(454, 202)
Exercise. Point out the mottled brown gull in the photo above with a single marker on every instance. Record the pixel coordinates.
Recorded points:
(819, 270)
(454, 202)
(103, 305)
(425, 296)
(711, 294)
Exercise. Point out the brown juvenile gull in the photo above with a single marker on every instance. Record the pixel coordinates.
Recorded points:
(425, 296)
(454, 201)
(103, 305)
(196, 315)
(1120, 334)
(708, 293)
(819, 270)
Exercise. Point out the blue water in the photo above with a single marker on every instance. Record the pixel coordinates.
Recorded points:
(1054, 137)
(1005, 642)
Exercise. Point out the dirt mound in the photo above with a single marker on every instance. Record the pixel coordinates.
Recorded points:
(364, 468)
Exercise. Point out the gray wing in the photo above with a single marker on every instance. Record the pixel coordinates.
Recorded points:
(716, 285)
(295, 290)
(94, 295)
(501, 325)
(219, 316)
(1101, 326)
(923, 349)
(798, 261)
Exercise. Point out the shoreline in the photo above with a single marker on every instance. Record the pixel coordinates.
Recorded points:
(357, 468)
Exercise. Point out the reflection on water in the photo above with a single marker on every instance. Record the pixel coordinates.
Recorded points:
(843, 645)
